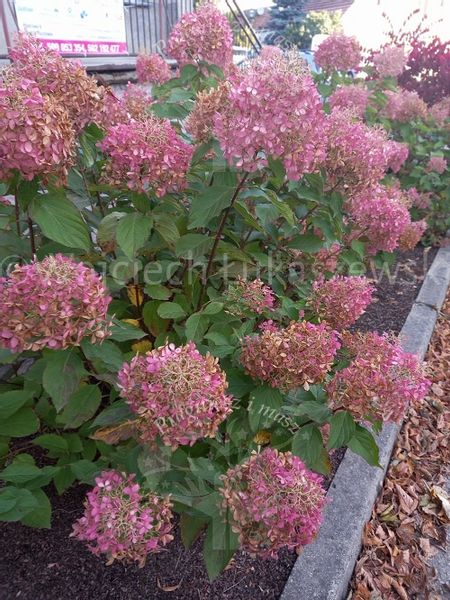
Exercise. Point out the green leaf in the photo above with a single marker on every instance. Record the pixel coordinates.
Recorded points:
(307, 444)
(343, 428)
(171, 310)
(123, 332)
(212, 308)
(192, 245)
(40, 516)
(53, 442)
(85, 470)
(107, 352)
(209, 204)
(283, 207)
(190, 528)
(239, 384)
(167, 228)
(60, 221)
(63, 479)
(62, 375)
(157, 291)
(15, 503)
(11, 402)
(116, 413)
(314, 410)
(264, 407)
(196, 327)
(20, 472)
(82, 406)
(306, 243)
(132, 232)
(219, 547)
(364, 444)
(22, 423)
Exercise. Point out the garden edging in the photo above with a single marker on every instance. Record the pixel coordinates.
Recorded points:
(325, 567)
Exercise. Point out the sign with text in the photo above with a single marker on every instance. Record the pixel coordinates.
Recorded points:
(88, 27)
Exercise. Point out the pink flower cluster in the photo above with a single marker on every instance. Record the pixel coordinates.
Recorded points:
(437, 164)
(146, 154)
(421, 200)
(396, 154)
(36, 136)
(177, 393)
(412, 235)
(254, 296)
(152, 68)
(133, 104)
(299, 355)
(404, 106)
(356, 157)
(441, 111)
(351, 97)
(380, 215)
(208, 103)
(380, 381)
(338, 52)
(122, 522)
(273, 109)
(65, 81)
(274, 501)
(203, 35)
(54, 304)
(341, 300)
(390, 62)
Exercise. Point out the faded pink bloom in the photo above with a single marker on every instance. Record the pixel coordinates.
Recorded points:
(65, 81)
(36, 136)
(441, 111)
(4, 200)
(380, 215)
(269, 52)
(380, 381)
(351, 97)
(326, 260)
(421, 200)
(177, 393)
(437, 164)
(152, 68)
(355, 157)
(412, 235)
(203, 35)
(296, 356)
(54, 303)
(274, 502)
(146, 155)
(340, 301)
(396, 154)
(390, 62)
(254, 296)
(208, 103)
(274, 109)
(121, 521)
(338, 52)
(404, 106)
(133, 104)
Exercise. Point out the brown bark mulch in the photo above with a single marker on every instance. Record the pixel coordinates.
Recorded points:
(411, 513)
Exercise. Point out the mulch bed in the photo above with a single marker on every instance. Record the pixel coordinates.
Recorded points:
(44, 564)
(409, 518)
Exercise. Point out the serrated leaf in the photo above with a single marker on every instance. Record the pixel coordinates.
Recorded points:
(192, 245)
(190, 528)
(167, 228)
(40, 516)
(219, 547)
(11, 402)
(170, 310)
(53, 442)
(22, 423)
(62, 375)
(196, 327)
(342, 429)
(15, 503)
(265, 404)
(307, 242)
(364, 444)
(209, 204)
(60, 221)
(132, 232)
(123, 332)
(82, 406)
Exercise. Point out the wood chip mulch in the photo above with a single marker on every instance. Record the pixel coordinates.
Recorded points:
(410, 516)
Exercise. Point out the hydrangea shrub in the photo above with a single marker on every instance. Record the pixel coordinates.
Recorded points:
(177, 285)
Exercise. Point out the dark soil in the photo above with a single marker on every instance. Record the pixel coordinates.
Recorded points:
(48, 565)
